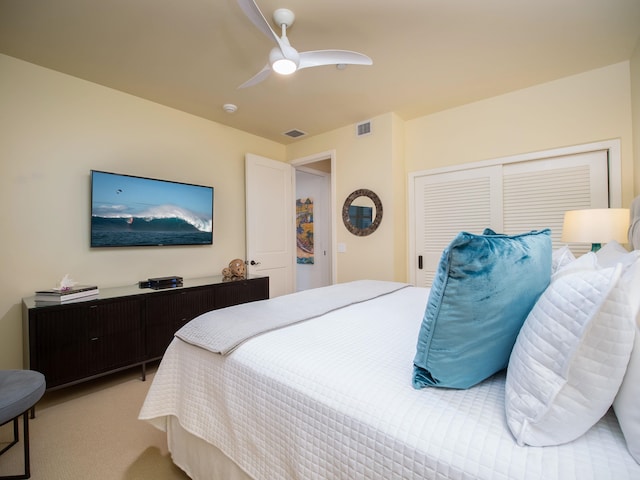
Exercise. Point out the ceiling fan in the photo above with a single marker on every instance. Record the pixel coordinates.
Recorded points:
(283, 58)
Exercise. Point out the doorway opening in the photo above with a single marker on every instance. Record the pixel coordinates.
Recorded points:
(315, 221)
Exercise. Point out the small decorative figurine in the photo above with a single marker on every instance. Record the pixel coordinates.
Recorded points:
(235, 270)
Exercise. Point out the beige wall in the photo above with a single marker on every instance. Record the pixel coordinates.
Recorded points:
(53, 130)
(399, 206)
(584, 108)
(374, 162)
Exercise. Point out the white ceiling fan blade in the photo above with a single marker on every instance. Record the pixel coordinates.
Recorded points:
(251, 10)
(318, 58)
(258, 77)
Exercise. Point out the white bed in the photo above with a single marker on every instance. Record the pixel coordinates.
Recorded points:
(332, 398)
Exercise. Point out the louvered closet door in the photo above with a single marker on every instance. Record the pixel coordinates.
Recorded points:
(447, 203)
(509, 198)
(537, 193)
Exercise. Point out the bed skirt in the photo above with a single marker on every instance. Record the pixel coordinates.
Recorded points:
(199, 459)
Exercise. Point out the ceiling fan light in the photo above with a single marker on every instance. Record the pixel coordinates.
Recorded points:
(284, 63)
(284, 66)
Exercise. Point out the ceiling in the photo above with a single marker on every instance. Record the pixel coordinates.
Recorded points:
(428, 55)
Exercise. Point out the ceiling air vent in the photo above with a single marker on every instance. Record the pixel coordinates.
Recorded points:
(295, 133)
(363, 128)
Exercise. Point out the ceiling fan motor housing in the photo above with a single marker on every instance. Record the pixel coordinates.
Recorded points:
(283, 16)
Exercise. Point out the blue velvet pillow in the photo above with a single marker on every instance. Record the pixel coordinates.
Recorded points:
(481, 295)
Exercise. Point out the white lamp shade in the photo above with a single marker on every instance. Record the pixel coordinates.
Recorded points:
(596, 225)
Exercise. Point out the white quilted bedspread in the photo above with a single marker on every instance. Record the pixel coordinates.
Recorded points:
(331, 398)
(221, 331)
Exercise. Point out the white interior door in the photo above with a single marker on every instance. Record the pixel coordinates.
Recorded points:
(269, 222)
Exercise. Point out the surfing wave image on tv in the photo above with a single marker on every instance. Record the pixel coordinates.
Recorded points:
(138, 211)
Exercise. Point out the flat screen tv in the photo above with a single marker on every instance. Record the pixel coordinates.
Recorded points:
(128, 211)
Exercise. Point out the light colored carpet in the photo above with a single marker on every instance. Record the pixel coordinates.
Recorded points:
(92, 431)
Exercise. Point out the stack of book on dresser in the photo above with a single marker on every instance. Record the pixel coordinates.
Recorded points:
(57, 296)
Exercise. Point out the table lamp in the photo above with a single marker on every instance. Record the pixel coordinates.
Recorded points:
(596, 226)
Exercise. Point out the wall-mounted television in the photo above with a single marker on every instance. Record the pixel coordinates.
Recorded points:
(128, 211)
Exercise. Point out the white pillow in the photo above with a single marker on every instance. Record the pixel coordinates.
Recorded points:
(560, 258)
(586, 263)
(611, 254)
(627, 402)
(570, 356)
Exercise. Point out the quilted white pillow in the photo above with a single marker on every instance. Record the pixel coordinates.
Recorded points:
(570, 356)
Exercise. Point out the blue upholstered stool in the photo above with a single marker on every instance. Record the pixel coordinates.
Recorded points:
(19, 392)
